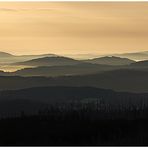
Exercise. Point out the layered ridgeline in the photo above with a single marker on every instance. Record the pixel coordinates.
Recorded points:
(57, 60)
(59, 66)
(13, 63)
(56, 66)
(9, 58)
(49, 61)
(64, 80)
(71, 72)
(32, 100)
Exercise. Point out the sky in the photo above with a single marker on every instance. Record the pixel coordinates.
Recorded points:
(73, 27)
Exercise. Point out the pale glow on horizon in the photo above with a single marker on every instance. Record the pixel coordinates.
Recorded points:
(73, 27)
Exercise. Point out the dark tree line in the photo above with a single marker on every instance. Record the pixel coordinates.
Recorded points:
(78, 124)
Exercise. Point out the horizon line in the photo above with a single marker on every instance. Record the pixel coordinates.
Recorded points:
(73, 0)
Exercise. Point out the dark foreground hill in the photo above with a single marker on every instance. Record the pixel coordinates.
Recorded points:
(81, 116)
(31, 100)
(73, 116)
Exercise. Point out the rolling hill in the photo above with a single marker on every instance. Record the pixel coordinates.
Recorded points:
(111, 60)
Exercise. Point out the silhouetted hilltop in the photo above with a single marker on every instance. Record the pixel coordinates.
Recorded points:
(49, 61)
(111, 60)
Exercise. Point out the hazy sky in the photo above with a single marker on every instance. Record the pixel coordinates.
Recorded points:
(73, 27)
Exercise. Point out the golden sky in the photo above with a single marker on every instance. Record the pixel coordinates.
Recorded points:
(73, 27)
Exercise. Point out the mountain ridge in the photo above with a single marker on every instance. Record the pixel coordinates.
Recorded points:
(49, 61)
(111, 60)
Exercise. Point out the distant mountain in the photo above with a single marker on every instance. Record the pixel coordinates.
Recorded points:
(30, 57)
(68, 69)
(138, 56)
(111, 60)
(49, 61)
(13, 102)
(5, 55)
(118, 80)
(9, 58)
